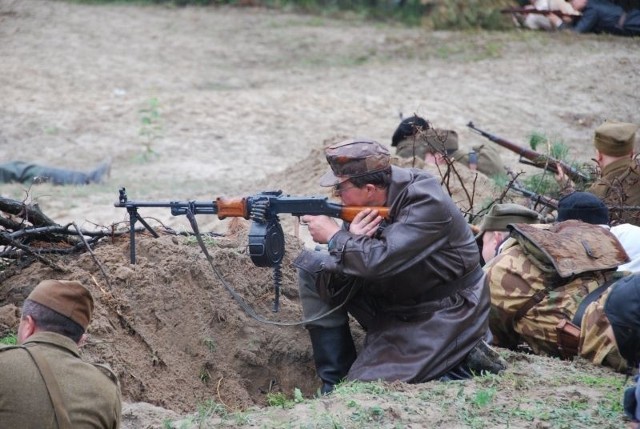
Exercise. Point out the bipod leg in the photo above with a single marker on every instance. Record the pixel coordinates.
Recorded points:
(134, 216)
(277, 282)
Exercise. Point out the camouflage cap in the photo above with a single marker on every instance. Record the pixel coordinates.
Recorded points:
(615, 138)
(69, 298)
(501, 215)
(353, 158)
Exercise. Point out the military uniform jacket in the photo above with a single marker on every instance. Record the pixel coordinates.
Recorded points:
(513, 279)
(620, 186)
(423, 280)
(90, 394)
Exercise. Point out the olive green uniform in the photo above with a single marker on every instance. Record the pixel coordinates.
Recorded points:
(620, 186)
(91, 394)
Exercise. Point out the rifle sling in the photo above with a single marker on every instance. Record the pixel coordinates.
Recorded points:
(60, 411)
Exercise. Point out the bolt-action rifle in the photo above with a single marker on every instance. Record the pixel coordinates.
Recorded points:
(536, 159)
(535, 198)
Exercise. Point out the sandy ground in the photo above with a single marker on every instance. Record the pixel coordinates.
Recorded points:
(195, 103)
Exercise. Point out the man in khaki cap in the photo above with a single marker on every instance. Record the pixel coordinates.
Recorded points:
(413, 281)
(43, 382)
(493, 229)
(619, 183)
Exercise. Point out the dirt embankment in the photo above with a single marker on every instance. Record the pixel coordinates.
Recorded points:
(195, 103)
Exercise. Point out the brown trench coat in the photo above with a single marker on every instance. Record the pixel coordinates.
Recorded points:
(421, 281)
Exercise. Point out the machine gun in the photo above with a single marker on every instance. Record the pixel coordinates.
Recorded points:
(536, 159)
(266, 238)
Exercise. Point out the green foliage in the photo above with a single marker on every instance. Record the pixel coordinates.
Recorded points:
(9, 340)
(150, 128)
(279, 399)
(541, 143)
(209, 409)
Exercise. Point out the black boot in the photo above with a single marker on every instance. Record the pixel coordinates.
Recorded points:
(333, 353)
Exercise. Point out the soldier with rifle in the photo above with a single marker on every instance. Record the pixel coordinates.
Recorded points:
(414, 283)
(619, 182)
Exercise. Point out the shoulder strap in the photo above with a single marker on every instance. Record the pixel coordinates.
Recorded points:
(593, 295)
(62, 417)
(529, 304)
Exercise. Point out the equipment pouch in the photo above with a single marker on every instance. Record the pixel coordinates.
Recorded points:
(568, 339)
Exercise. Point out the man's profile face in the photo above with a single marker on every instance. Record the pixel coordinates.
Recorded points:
(349, 194)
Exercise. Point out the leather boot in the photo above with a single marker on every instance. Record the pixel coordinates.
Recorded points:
(333, 353)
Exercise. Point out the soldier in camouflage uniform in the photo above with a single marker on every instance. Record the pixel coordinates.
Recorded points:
(539, 282)
(493, 230)
(44, 384)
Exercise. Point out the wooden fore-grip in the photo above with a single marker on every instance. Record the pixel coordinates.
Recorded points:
(232, 207)
(348, 213)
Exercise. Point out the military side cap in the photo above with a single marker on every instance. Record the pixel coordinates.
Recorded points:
(353, 158)
(69, 298)
(501, 215)
(623, 311)
(615, 138)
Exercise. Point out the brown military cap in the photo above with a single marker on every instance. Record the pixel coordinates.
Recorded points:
(353, 158)
(69, 298)
(615, 138)
(501, 215)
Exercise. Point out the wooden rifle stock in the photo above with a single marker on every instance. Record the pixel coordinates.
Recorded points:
(348, 213)
(537, 159)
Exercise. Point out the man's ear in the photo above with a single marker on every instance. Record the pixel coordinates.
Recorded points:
(26, 329)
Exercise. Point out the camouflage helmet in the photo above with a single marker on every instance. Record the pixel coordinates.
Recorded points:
(354, 158)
